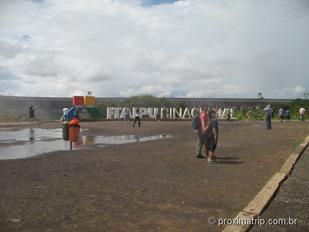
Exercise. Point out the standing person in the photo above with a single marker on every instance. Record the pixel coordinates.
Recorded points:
(137, 118)
(31, 113)
(281, 114)
(126, 115)
(201, 132)
(302, 111)
(157, 116)
(64, 114)
(268, 114)
(287, 114)
(229, 114)
(212, 134)
(249, 115)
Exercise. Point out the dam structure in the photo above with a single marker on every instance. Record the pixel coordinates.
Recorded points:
(15, 108)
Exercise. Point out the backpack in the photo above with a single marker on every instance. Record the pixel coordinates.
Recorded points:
(196, 122)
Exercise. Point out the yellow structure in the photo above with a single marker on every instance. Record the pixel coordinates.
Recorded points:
(89, 101)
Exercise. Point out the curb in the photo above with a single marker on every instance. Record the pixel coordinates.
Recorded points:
(260, 201)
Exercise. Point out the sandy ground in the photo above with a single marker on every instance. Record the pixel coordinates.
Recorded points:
(152, 186)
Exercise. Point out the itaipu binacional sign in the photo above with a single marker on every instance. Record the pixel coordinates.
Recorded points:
(161, 113)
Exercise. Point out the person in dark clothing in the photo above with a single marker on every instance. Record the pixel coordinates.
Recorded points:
(268, 115)
(212, 134)
(137, 118)
(31, 113)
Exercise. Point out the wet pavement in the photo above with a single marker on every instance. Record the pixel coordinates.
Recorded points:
(158, 185)
(290, 207)
(29, 142)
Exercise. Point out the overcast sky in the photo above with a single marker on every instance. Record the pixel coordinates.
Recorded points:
(188, 48)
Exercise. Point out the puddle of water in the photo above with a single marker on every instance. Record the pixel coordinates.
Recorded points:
(121, 139)
(29, 134)
(30, 149)
(27, 143)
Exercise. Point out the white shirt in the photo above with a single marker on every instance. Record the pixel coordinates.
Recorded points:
(302, 110)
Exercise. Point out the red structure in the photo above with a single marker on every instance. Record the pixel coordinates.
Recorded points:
(78, 100)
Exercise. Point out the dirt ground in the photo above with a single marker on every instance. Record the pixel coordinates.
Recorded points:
(152, 186)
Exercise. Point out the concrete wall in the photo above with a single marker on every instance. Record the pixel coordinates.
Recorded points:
(17, 108)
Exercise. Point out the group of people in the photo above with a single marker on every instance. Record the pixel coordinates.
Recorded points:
(284, 114)
(208, 132)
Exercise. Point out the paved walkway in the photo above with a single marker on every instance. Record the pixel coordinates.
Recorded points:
(291, 202)
(152, 186)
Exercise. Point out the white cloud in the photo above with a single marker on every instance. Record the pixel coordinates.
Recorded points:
(193, 48)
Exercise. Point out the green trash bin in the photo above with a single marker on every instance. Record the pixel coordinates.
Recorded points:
(65, 131)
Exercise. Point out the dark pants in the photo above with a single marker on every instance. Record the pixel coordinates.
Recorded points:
(302, 117)
(138, 120)
(202, 141)
(268, 122)
(211, 143)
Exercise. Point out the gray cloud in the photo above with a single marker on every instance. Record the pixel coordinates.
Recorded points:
(194, 48)
(8, 50)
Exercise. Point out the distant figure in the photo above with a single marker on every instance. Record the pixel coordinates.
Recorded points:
(287, 114)
(281, 114)
(268, 115)
(164, 113)
(249, 115)
(157, 116)
(126, 115)
(64, 113)
(31, 113)
(302, 111)
(137, 118)
(228, 114)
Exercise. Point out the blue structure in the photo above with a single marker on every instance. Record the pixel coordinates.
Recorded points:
(68, 116)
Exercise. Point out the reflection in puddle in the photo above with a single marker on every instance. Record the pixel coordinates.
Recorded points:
(121, 139)
(24, 135)
(31, 142)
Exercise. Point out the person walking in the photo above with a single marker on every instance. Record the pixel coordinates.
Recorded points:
(201, 132)
(31, 113)
(212, 134)
(302, 111)
(268, 114)
(137, 118)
